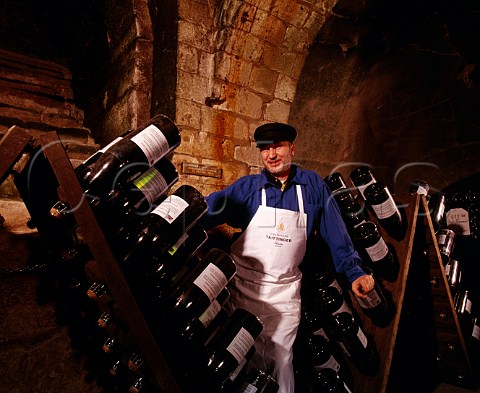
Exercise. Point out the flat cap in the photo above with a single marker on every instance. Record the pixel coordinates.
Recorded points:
(273, 133)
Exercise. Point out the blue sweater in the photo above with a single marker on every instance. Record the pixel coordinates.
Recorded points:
(237, 204)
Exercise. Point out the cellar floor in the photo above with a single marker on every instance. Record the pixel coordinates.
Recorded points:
(445, 388)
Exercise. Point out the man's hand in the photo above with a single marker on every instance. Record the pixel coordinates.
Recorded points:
(362, 285)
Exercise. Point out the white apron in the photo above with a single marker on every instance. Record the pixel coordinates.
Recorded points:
(267, 283)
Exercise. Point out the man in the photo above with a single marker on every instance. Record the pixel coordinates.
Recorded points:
(278, 210)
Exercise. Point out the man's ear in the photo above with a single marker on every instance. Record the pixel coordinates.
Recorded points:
(293, 149)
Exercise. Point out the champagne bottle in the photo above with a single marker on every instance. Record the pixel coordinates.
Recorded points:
(203, 285)
(375, 252)
(335, 182)
(330, 303)
(227, 349)
(380, 200)
(463, 307)
(377, 304)
(171, 267)
(136, 199)
(320, 354)
(127, 158)
(446, 243)
(195, 331)
(157, 232)
(436, 207)
(361, 178)
(356, 345)
(453, 271)
(419, 186)
(83, 168)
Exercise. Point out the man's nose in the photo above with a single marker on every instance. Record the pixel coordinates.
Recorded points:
(272, 152)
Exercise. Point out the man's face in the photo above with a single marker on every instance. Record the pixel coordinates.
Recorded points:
(277, 157)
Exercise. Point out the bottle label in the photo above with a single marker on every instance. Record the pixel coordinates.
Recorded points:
(211, 281)
(468, 306)
(370, 300)
(330, 363)
(422, 190)
(361, 336)
(241, 344)
(152, 184)
(458, 218)
(476, 332)
(385, 209)
(177, 245)
(378, 251)
(210, 313)
(152, 142)
(362, 187)
(447, 269)
(249, 388)
(171, 208)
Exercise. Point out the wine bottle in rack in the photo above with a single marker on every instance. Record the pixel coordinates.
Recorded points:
(446, 242)
(171, 267)
(236, 380)
(335, 182)
(463, 307)
(321, 356)
(195, 332)
(381, 202)
(436, 207)
(203, 285)
(453, 271)
(226, 350)
(375, 251)
(377, 304)
(157, 232)
(356, 346)
(331, 302)
(83, 168)
(126, 159)
(361, 178)
(128, 204)
(419, 186)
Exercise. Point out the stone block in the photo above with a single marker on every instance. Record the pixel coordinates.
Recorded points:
(292, 12)
(286, 88)
(277, 110)
(187, 59)
(195, 35)
(192, 87)
(263, 80)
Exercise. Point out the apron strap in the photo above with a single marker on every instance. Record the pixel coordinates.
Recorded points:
(299, 198)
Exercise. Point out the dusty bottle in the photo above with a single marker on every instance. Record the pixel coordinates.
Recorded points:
(381, 202)
(126, 159)
(375, 252)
